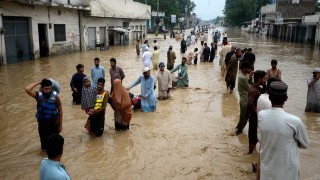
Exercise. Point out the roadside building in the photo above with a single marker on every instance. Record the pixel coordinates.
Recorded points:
(32, 29)
(111, 22)
(283, 19)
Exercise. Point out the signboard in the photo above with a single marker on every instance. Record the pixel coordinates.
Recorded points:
(173, 19)
(159, 14)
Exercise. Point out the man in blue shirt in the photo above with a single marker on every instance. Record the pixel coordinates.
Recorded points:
(50, 168)
(148, 101)
(97, 72)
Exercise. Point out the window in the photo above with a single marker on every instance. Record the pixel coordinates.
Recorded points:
(295, 1)
(125, 25)
(59, 32)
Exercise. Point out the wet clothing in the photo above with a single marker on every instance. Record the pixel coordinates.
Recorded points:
(243, 88)
(77, 82)
(147, 89)
(183, 74)
(96, 73)
(47, 117)
(164, 80)
(143, 48)
(47, 108)
(52, 170)
(88, 98)
(183, 46)
(251, 58)
(155, 59)
(223, 54)
(263, 102)
(253, 95)
(202, 39)
(195, 60)
(98, 118)
(193, 39)
(147, 59)
(138, 49)
(212, 53)
(206, 53)
(232, 71)
(281, 136)
(116, 73)
(313, 96)
(122, 103)
(190, 57)
(228, 57)
(171, 57)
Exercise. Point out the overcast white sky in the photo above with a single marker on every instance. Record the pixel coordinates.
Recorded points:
(209, 9)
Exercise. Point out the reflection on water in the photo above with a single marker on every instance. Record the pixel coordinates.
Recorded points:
(187, 137)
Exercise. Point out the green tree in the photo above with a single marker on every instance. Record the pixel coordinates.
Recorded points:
(217, 20)
(318, 6)
(239, 11)
(169, 7)
(186, 6)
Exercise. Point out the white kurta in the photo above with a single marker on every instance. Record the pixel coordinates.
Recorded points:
(147, 59)
(281, 136)
(263, 102)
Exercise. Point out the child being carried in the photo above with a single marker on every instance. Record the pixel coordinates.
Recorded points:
(88, 99)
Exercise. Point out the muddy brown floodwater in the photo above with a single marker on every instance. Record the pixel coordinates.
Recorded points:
(188, 137)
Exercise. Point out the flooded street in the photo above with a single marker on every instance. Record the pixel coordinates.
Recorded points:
(188, 137)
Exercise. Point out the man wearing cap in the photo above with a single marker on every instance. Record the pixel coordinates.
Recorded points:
(164, 79)
(147, 58)
(148, 101)
(183, 79)
(281, 135)
(313, 96)
(171, 57)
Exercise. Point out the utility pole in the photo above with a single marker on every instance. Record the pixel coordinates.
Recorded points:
(157, 19)
(255, 10)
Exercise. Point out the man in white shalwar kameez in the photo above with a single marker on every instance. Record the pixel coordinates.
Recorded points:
(147, 58)
(282, 134)
(164, 79)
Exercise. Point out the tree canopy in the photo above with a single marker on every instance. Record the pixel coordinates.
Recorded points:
(239, 11)
(171, 7)
(177, 7)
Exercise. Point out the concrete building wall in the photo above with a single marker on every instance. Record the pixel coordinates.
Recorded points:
(49, 16)
(66, 3)
(137, 27)
(291, 10)
(120, 9)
